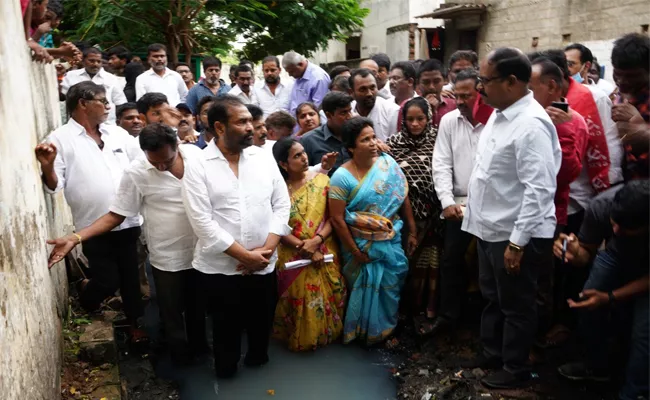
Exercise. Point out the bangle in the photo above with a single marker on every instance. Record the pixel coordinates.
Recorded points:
(515, 247)
(321, 238)
(78, 236)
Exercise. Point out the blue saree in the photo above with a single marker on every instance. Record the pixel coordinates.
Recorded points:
(371, 214)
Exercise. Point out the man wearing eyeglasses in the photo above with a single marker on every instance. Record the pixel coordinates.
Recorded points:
(510, 210)
(86, 158)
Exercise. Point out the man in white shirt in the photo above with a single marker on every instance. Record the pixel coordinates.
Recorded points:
(86, 158)
(453, 161)
(159, 78)
(383, 89)
(601, 83)
(238, 205)
(510, 210)
(383, 68)
(383, 113)
(273, 95)
(93, 71)
(244, 90)
(151, 185)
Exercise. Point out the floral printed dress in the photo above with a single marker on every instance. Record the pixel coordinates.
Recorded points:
(310, 311)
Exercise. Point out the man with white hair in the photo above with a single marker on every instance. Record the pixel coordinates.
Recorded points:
(312, 81)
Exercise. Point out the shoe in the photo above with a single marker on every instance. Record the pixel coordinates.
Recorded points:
(430, 329)
(580, 372)
(255, 361)
(483, 362)
(503, 379)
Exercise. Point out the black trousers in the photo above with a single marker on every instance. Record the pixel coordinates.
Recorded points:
(113, 259)
(182, 312)
(509, 320)
(453, 271)
(239, 302)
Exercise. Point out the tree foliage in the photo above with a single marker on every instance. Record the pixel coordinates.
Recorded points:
(211, 26)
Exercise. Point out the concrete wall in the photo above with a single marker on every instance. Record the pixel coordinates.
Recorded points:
(32, 299)
(383, 15)
(397, 45)
(335, 51)
(516, 22)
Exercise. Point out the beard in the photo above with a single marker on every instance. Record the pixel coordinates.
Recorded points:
(272, 79)
(212, 81)
(369, 103)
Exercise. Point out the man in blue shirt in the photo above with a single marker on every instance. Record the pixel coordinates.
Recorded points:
(312, 82)
(212, 85)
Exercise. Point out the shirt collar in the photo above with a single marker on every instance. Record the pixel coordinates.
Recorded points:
(167, 71)
(236, 90)
(327, 133)
(511, 112)
(212, 151)
(76, 127)
(308, 74)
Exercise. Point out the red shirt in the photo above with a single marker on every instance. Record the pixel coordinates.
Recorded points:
(445, 106)
(573, 142)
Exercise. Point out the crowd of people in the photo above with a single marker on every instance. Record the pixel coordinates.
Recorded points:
(326, 208)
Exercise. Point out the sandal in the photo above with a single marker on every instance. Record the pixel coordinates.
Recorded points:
(555, 337)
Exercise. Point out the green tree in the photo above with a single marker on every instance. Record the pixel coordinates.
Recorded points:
(211, 26)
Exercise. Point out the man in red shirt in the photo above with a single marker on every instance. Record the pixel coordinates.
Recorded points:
(546, 82)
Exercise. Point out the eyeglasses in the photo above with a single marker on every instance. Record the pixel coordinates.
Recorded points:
(103, 101)
(485, 80)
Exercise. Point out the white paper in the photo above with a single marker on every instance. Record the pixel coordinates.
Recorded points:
(301, 263)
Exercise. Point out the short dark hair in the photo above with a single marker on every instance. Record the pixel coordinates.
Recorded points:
(631, 51)
(91, 50)
(156, 136)
(467, 55)
(121, 109)
(341, 82)
(407, 68)
(466, 74)
(557, 56)
(86, 90)
(334, 101)
(219, 109)
(585, 53)
(280, 119)
(203, 101)
(56, 7)
(149, 100)
(352, 129)
(362, 72)
(120, 52)
(510, 61)
(255, 111)
(211, 62)
(430, 66)
(281, 150)
(242, 68)
(382, 60)
(273, 59)
(339, 69)
(630, 205)
(245, 61)
(156, 47)
(132, 70)
(305, 104)
(550, 70)
(419, 102)
(182, 64)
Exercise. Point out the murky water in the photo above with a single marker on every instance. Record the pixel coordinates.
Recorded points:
(336, 372)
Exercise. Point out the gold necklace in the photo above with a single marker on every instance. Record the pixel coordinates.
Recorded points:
(356, 171)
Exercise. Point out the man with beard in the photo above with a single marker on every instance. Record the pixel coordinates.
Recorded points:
(510, 210)
(273, 95)
(244, 89)
(186, 131)
(128, 119)
(212, 85)
(382, 112)
(238, 205)
(453, 161)
(92, 71)
(402, 81)
(159, 78)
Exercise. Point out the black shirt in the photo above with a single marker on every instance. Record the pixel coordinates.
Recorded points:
(321, 141)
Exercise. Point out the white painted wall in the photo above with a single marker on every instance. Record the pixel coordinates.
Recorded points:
(602, 50)
(397, 46)
(33, 299)
(421, 7)
(383, 15)
(335, 52)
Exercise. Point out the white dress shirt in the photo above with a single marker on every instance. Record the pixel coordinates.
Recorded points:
(604, 85)
(385, 93)
(112, 84)
(252, 99)
(157, 195)
(171, 84)
(512, 187)
(581, 191)
(223, 208)
(89, 176)
(269, 102)
(384, 116)
(453, 156)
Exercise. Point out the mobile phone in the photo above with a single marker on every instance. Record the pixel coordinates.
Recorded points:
(561, 105)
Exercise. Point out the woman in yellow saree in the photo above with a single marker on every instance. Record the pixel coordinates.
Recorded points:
(309, 313)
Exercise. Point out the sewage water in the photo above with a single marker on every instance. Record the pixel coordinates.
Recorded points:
(335, 372)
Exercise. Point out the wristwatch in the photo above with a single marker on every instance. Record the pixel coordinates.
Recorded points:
(515, 248)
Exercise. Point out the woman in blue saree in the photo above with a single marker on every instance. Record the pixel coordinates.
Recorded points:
(367, 195)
